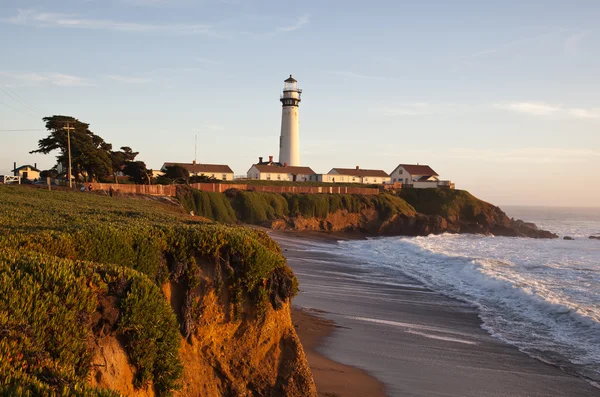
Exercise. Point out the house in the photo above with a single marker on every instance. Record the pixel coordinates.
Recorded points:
(27, 171)
(277, 172)
(157, 173)
(354, 175)
(418, 176)
(217, 171)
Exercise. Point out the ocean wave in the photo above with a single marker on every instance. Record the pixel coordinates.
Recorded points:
(537, 295)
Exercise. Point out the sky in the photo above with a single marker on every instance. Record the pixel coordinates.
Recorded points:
(499, 97)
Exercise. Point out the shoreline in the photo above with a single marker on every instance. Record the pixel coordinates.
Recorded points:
(415, 341)
(332, 378)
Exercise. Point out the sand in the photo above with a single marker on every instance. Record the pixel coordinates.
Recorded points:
(415, 341)
(332, 378)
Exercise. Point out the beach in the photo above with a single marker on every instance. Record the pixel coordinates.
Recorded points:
(415, 341)
(333, 378)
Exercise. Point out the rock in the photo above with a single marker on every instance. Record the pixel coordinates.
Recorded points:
(568, 238)
(594, 237)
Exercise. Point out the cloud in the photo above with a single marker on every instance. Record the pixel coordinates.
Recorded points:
(34, 17)
(213, 127)
(571, 43)
(59, 79)
(147, 2)
(411, 109)
(545, 109)
(585, 113)
(534, 108)
(208, 61)
(532, 155)
(73, 21)
(424, 108)
(350, 74)
(128, 79)
(300, 22)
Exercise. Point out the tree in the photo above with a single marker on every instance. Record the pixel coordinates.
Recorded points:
(137, 171)
(203, 179)
(49, 173)
(90, 154)
(120, 158)
(177, 173)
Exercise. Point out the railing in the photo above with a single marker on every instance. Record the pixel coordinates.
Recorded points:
(10, 179)
(170, 190)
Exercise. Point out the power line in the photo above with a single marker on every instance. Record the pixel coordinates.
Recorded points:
(17, 110)
(9, 89)
(26, 129)
(16, 97)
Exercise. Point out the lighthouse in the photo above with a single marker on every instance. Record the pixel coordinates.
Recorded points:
(289, 141)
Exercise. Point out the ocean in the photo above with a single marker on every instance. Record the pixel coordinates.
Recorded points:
(542, 296)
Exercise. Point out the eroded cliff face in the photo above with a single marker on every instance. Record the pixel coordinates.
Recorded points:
(253, 353)
(370, 222)
(259, 355)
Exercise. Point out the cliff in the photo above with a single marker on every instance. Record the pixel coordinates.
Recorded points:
(106, 296)
(412, 212)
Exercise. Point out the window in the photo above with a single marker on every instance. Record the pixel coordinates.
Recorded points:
(278, 176)
(224, 177)
(268, 177)
(400, 171)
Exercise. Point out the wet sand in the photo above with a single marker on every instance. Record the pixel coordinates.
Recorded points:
(416, 341)
(332, 378)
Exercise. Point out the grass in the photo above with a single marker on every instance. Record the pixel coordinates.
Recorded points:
(260, 207)
(61, 251)
(449, 203)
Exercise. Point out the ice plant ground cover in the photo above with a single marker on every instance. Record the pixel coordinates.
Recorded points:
(62, 252)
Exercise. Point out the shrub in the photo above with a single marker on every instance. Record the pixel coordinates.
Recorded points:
(60, 250)
(448, 203)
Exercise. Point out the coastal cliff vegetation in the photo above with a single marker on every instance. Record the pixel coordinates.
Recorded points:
(405, 212)
(106, 296)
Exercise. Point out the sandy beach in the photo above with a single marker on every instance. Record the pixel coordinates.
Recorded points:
(332, 378)
(414, 341)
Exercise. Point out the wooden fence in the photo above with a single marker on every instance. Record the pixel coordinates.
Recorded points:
(151, 190)
(170, 190)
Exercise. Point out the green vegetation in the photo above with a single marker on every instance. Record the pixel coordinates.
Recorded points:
(92, 157)
(260, 207)
(449, 203)
(63, 252)
(46, 309)
(209, 205)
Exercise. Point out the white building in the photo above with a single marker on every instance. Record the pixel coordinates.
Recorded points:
(354, 175)
(289, 141)
(217, 171)
(418, 176)
(27, 171)
(277, 172)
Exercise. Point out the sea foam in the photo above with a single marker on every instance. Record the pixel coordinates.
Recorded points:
(542, 296)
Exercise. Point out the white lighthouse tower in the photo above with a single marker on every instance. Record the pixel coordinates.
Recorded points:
(289, 141)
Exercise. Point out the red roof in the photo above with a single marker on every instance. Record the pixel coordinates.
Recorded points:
(202, 168)
(360, 172)
(418, 169)
(277, 169)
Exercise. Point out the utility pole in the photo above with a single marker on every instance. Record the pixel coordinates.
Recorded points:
(196, 148)
(70, 174)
